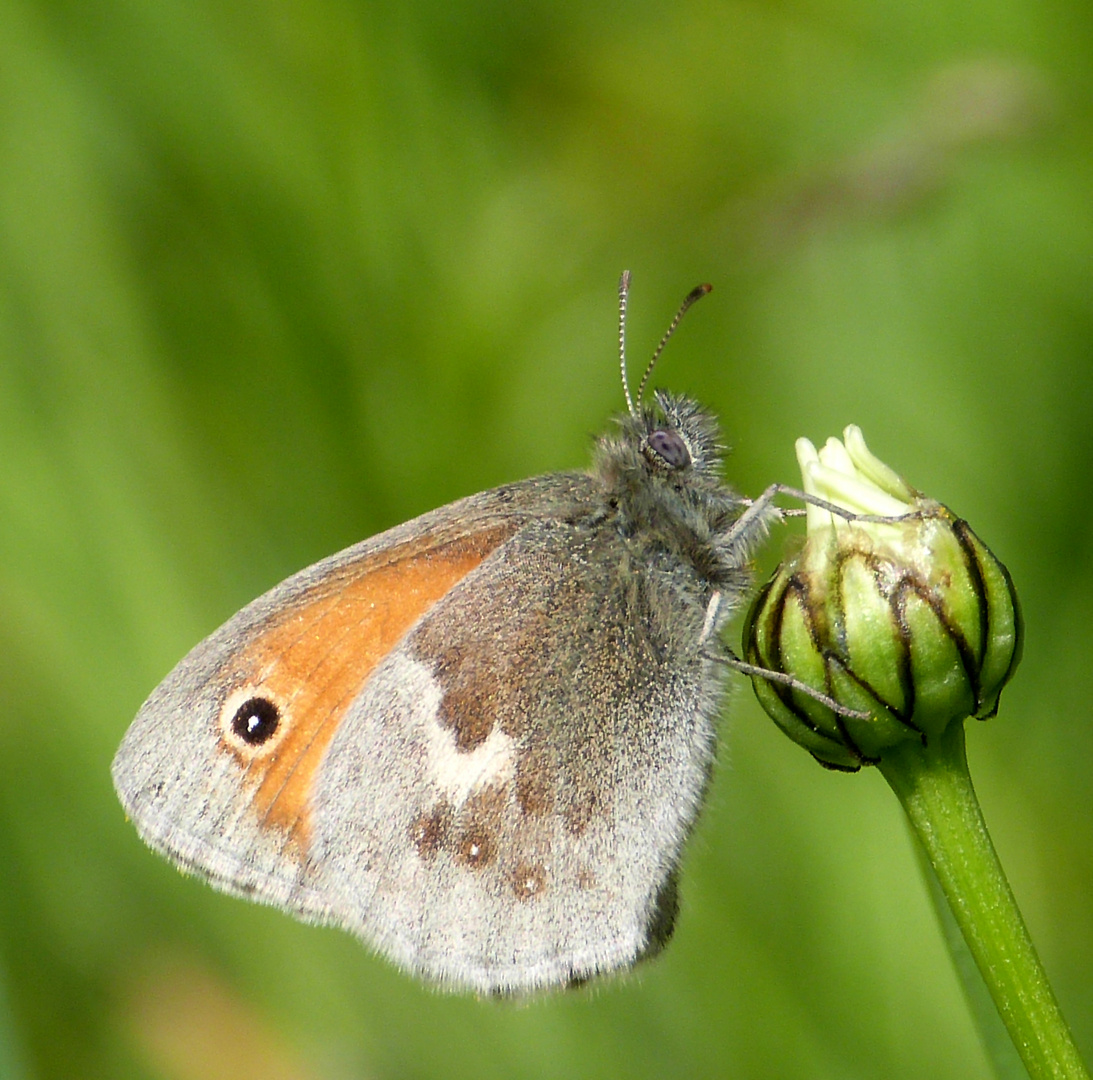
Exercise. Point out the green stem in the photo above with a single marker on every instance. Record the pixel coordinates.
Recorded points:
(935, 788)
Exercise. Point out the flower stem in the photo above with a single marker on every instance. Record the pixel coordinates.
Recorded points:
(935, 788)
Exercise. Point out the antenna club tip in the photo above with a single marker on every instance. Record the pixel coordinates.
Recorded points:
(700, 290)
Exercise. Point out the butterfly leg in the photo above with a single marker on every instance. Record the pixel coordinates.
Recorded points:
(762, 506)
(730, 659)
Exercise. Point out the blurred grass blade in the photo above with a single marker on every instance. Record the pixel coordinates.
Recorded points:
(12, 1058)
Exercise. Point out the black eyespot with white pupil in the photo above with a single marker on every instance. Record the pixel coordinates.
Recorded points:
(669, 448)
(256, 721)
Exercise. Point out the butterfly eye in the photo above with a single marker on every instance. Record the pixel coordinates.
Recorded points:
(668, 448)
(255, 721)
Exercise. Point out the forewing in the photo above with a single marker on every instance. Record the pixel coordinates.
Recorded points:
(240, 812)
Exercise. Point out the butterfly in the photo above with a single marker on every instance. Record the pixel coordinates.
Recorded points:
(478, 740)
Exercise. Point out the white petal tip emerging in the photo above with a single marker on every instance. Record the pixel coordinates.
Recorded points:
(851, 476)
(808, 460)
(870, 465)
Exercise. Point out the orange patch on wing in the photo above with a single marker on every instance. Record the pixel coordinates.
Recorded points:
(316, 659)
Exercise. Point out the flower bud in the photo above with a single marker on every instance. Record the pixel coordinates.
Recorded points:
(913, 621)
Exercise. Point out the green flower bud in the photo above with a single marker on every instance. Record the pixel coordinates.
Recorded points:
(914, 622)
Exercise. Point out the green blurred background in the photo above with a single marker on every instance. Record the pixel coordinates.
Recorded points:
(275, 276)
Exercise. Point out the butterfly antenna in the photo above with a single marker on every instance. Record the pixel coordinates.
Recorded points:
(696, 293)
(624, 293)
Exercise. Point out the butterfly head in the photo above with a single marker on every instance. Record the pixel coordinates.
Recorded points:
(672, 443)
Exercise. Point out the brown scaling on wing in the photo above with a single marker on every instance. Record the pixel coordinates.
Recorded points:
(471, 834)
(319, 655)
(529, 881)
(481, 821)
(429, 832)
(581, 807)
(488, 833)
(471, 687)
(499, 672)
(535, 784)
